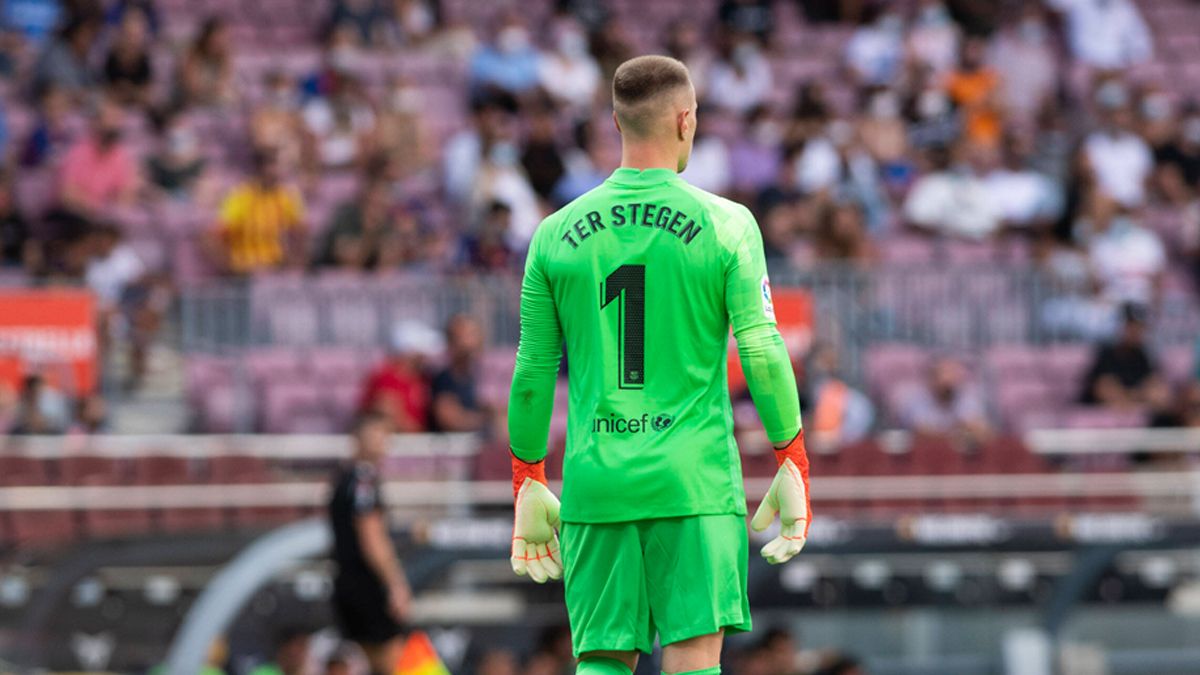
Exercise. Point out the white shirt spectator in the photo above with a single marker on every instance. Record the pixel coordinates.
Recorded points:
(934, 38)
(1107, 34)
(876, 52)
(741, 83)
(1023, 197)
(953, 203)
(1122, 163)
(1026, 61)
(1127, 258)
(337, 130)
(708, 167)
(570, 74)
(108, 277)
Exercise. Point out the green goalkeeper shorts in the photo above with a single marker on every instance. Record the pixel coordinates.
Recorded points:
(678, 577)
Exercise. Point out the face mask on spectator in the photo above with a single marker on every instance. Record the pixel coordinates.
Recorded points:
(1033, 31)
(503, 154)
(767, 133)
(572, 43)
(891, 24)
(1156, 107)
(1120, 226)
(934, 16)
(512, 39)
(342, 58)
(885, 106)
(181, 142)
(932, 103)
(744, 55)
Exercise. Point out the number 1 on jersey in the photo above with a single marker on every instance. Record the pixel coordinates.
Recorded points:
(628, 282)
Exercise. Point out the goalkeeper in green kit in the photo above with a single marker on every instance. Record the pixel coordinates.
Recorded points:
(642, 278)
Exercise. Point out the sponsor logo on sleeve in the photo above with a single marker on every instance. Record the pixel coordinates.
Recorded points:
(768, 304)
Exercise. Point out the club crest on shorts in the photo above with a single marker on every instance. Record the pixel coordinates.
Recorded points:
(768, 304)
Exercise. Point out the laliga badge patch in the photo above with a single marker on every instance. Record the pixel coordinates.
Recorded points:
(768, 304)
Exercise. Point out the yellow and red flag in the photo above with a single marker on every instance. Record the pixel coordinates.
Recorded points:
(418, 657)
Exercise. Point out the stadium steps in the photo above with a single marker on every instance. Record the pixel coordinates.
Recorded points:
(159, 405)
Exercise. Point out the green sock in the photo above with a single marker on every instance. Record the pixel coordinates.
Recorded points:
(593, 665)
(715, 670)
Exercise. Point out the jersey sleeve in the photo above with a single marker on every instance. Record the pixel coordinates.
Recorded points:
(531, 399)
(765, 359)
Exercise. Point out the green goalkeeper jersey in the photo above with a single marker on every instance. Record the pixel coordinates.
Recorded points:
(642, 279)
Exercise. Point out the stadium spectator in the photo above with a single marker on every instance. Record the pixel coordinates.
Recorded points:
(1024, 197)
(128, 70)
(456, 403)
(510, 62)
(755, 156)
(747, 17)
(18, 247)
(541, 157)
(1118, 159)
(973, 87)
(1024, 58)
(130, 300)
(933, 121)
(838, 413)
(953, 200)
(415, 21)
(586, 167)
(341, 124)
(884, 137)
(708, 167)
(934, 38)
(176, 169)
(356, 230)
(148, 8)
(91, 416)
(612, 46)
(400, 387)
(1127, 259)
(568, 73)
(99, 171)
(1177, 160)
(486, 249)
(841, 234)
(205, 76)
(371, 596)
(290, 655)
(1106, 34)
(51, 133)
(275, 121)
(1123, 374)
(490, 137)
(338, 664)
(401, 132)
(875, 52)
(948, 404)
(366, 20)
(261, 225)
(684, 42)
(63, 62)
(739, 79)
(41, 408)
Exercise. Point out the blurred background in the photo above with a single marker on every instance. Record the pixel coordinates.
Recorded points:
(226, 227)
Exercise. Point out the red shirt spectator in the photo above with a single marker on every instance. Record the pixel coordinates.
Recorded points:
(399, 388)
(98, 171)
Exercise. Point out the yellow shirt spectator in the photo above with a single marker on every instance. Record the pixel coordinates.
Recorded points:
(254, 225)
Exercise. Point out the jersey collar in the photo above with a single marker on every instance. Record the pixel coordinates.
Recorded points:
(627, 176)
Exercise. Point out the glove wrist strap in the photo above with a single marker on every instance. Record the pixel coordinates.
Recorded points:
(794, 451)
(522, 470)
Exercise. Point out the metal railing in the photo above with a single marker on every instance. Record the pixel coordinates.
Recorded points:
(958, 309)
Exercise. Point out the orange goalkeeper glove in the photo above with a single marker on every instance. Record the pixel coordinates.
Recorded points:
(535, 523)
(787, 497)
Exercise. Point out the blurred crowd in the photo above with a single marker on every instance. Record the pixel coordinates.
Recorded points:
(1022, 127)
